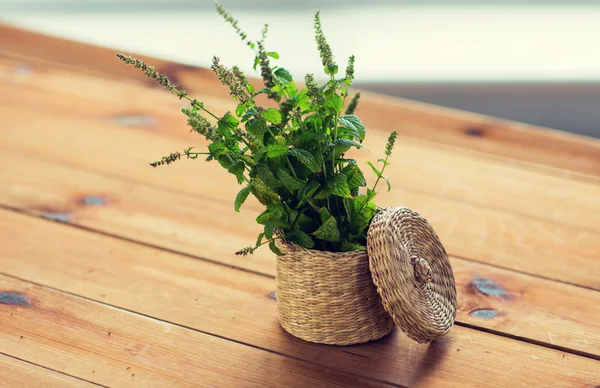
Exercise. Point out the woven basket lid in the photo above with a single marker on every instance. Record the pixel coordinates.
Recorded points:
(412, 273)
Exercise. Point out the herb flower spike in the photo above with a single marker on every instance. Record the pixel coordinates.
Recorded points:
(313, 91)
(151, 72)
(324, 48)
(390, 143)
(265, 67)
(167, 159)
(350, 69)
(234, 79)
(234, 23)
(353, 104)
(200, 124)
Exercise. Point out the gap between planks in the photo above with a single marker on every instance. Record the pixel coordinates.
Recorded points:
(495, 196)
(47, 376)
(65, 197)
(137, 315)
(458, 322)
(498, 357)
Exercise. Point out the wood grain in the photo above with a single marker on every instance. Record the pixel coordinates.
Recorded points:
(95, 120)
(442, 125)
(117, 348)
(195, 226)
(20, 374)
(180, 222)
(236, 305)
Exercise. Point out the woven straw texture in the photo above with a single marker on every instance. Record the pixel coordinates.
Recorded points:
(328, 297)
(412, 273)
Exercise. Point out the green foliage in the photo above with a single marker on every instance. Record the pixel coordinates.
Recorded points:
(290, 157)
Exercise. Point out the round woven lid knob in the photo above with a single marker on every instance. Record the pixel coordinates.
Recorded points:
(412, 273)
(422, 270)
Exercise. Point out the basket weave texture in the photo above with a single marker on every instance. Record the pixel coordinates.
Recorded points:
(412, 272)
(328, 297)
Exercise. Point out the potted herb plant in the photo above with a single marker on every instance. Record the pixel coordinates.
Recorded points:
(318, 207)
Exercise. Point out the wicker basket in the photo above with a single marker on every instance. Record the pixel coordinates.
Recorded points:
(404, 278)
(329, 297)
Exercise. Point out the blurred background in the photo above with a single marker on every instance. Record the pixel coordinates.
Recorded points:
(536, 62)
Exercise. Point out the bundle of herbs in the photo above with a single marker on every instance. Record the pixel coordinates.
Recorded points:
(291, 157)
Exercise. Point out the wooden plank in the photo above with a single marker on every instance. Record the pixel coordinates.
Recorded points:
(103, 107)
(448, 126)
(179, 221)
(117, 348)
(20, 374)
(236, 305)
(195, 226)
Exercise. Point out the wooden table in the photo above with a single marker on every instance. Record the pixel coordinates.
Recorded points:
(113, 273)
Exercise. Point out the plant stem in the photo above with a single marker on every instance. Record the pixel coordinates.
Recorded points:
(381, 173)
(197, 104)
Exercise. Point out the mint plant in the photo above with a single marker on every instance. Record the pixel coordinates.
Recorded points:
(292, 158)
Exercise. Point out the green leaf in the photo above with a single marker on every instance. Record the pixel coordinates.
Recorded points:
(256, 62)
(217, 149)
(264, 194)
(302, 100)
(307, 192)
(353, 123)
(323, 194)
(273, 54)
(274, 214)
(334, 103)
(387, 181)
(272, 116)
(227, 123)
(339, 186)
(237, 169)
(269, 229)
(287, 180)
(259, 240)
(355, 176)
(302, 239)
(306, 158)
(247, 159)
(274, 150)
(331, 69)
(241, 109)
(348, 246)
(364, 210)
(371, 194)
(274, 249)
(328, 231)
(249, 113)
(226, 160)
(310, 189)
(283, 75)
(375, 170)
(266, 176)
(257, 129)
(348, 143)
(324, 214)
(250, 88)
(240, 198)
